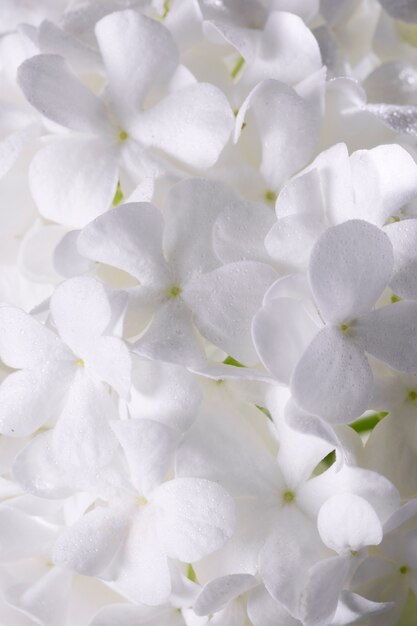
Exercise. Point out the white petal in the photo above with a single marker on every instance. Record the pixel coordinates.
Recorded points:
(403, 236)
(82, 439)
(402, 119)
(297, 468)
(80, 309)
(224, 302)
(29, 398)
(192, 206)
(347, 522)
(286, 146)
(290, 240)
(128, 237)
(239, 232)
(373, 487)
(287, 51)
(390, 334)
(391, 451)
(314, 426)
(142, 573)
(25, 342)
(320, 597)
(333, 379)
(57, 93)
(23, 536)
(172, 336)
(353, 608)
(12, 145)
(263, 610)
(219, 592)
(384, 180)
(281, 331)
(46, 599)
(286, 557)
(36, 469)
(67, 172)
(36, 253)
(225, 445)
(165, 393)
(350, 266)
(192, 125)
(195, 517)
(89, 545)
(67, 260)
(138, 52)
(149, 448)
(131, 615)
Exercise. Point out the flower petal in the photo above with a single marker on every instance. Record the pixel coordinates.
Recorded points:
(239, 232)
(165, 393)
(128, 237)
(287, 51)
(149, 448)
(195, 517)
(25, 342)
(403, 236)
(172, 336)
(63, 174)
(333, 379)
(390, 335)
(384, 180)
(23, 536)
(29, 398)
(281, 331)
(219, 592)
(353, 608)
(57, 93)
(224, 302)
(350, 266)
(46, 599)
(348, 522)
(192, 125)
(90, 544)
(192, 207)
(286, 146)
(138, 52)
(142, 571)
(263, 610)
(320, 596)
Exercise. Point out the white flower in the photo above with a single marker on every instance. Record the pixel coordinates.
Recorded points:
(107, 140)
(329, 374)
(50, 363)
(183, 284)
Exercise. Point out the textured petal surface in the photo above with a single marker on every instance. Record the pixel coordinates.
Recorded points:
(191, 125)
(281, 331)
(286, 146)
(347, 522)
(333, 379)
(195, 517)
(224, 302)
(128, 237)
(350, 266)
(89, 545)
(390, 334)
(57, 93)
(25, 342)
(138, 52)
(68, 171)
(216, 594)
(403, 236)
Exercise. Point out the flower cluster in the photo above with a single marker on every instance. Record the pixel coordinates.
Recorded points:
(208, 312)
